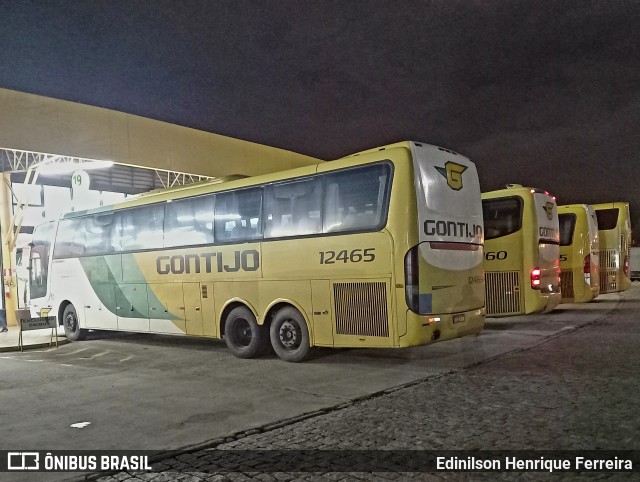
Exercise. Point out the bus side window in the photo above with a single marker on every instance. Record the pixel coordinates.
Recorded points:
(189, 221)
(98, 234)
(142, 227)
(332, 209)
(293, 208)
(355, 199)
(71, 240)
(237, 215)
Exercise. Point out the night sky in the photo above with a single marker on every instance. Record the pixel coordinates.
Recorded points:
(542, 93)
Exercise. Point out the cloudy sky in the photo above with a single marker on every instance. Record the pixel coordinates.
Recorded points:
(543, 93)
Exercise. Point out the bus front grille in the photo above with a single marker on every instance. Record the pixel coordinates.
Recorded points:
(503, 293)
(566, 284)
(608, 271)
(361, 309)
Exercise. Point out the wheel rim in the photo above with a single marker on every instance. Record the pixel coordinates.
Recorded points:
(290, 335)
(70, 322)
(241, 333)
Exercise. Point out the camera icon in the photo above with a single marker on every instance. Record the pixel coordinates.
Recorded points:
(23, 461)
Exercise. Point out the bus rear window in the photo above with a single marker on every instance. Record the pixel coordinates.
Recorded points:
(501, 216)
(607, 218)
(567, 226)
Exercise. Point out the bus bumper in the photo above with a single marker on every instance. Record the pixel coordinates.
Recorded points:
(553, 300)
(422, 330)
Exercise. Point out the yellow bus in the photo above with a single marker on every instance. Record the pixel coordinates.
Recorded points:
(614, 231)
(378, 249)
(521, 258)
(579, 253)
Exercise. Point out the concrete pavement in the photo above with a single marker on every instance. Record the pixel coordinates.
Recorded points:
(572, 390)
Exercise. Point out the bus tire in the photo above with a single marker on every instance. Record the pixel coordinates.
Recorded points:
(242, 334)
(289, 335)
(72, 325)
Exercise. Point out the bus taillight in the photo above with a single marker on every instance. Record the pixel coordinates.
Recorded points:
(626, 266)
(586, 269)
(536, 275)
(412, 279)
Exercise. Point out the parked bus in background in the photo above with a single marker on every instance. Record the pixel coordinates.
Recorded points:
(635, 263)
(379, 249)
(614, 232)
(579, 253)
(522, 272)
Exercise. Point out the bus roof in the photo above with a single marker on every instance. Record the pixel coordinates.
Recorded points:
(512, 189)
(214, 185)
(405, 144)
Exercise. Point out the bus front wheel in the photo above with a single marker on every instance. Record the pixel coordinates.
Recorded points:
(242, 334)
(290, 335)
(71, 325)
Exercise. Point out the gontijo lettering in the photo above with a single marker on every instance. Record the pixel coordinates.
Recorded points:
(550, 233)
(248, 260)
(454, 229)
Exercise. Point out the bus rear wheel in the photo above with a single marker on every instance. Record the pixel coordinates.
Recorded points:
(71, 325)
(290, 335)
(242, 334)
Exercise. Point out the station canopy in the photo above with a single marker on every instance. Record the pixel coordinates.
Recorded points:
(37, 133)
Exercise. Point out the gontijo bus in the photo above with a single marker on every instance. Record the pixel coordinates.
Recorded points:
(614, 231)
(378, 249)
(579, 253)
(521, 250)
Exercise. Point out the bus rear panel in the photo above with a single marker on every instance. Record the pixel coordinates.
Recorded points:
(579, 253)
(614, 232)
(521, 251)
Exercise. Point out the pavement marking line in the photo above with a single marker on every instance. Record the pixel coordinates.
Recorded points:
(72, 352)
(100, 354)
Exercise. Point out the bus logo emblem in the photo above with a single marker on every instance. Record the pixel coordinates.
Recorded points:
(452, 172)
(548, 208)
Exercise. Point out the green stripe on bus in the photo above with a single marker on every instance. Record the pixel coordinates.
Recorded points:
(101, 276)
